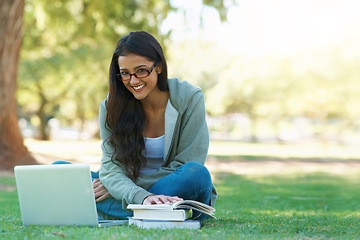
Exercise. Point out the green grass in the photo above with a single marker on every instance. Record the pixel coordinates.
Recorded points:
(298, 206)
(262, 206)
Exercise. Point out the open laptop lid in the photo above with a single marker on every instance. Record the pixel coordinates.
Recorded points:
(56, 195)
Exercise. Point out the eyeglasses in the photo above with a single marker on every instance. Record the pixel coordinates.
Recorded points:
(141, 73)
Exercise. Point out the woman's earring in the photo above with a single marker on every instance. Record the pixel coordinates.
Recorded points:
(158, 70)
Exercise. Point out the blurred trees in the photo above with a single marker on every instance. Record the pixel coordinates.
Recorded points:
(319, 85)
(67, 49)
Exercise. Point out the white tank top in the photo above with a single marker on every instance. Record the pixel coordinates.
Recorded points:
(154, 153)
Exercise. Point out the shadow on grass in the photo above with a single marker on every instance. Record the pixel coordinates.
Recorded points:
(302, 191)
(225, 158)
(297, 203)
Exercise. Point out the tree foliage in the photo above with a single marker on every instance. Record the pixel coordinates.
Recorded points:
(67, 49)
(319, 85)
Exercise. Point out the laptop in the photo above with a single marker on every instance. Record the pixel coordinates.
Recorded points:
(58, 195)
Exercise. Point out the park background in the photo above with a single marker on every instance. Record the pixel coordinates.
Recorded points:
(278, 70)
(281, 85)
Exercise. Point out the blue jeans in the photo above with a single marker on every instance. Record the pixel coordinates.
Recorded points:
(191, 181)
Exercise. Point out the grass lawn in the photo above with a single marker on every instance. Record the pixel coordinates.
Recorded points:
(303, 205)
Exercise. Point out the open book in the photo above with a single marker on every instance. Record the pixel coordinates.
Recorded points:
(180, 205)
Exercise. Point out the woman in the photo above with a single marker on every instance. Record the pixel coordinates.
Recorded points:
(154, 132)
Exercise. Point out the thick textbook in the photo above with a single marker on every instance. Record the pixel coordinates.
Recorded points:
(156, 224)
(170, 215)
(186, 204)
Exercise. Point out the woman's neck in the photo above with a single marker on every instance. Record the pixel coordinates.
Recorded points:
(154, 111)
(156, 102)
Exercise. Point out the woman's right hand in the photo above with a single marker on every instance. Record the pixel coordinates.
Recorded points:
(100, 191)
(160, 199)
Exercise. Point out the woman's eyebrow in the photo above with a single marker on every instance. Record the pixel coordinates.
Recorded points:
(140, 66)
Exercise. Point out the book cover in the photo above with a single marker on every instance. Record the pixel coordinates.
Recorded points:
(170, 215)
(156, 224)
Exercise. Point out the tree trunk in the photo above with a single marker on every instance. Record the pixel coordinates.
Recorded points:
(12, 149)
(43, 123)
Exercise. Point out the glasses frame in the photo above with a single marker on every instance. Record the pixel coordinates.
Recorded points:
(148, 71)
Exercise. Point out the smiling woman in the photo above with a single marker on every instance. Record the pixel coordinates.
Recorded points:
(154, 133)
(141, 83)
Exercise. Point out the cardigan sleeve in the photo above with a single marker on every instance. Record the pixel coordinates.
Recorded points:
(113, 176)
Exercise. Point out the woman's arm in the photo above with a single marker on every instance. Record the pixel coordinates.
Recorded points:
(113, 176)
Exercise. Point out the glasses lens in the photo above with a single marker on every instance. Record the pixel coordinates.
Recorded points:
(125, 77)
(142, 74)
(139, 74)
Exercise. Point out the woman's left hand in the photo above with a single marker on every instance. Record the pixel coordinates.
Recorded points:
(101, 193)
(160, 199)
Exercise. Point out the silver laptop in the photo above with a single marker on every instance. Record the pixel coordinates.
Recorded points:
(58, 195)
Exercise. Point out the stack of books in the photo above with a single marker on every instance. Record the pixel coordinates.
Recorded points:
(167, 216)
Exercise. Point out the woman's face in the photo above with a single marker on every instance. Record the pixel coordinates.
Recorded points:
(141, 88)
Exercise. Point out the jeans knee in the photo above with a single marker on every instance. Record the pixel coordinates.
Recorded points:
(197, 169)
(195, 173)
(61, 162)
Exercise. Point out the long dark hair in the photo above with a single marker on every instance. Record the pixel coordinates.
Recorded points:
(125, 117)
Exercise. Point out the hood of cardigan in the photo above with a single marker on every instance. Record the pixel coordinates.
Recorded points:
(181, 92)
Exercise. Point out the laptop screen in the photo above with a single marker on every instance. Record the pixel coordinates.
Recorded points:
(56, 195)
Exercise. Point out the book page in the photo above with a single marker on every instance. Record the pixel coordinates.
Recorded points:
(152, 206)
